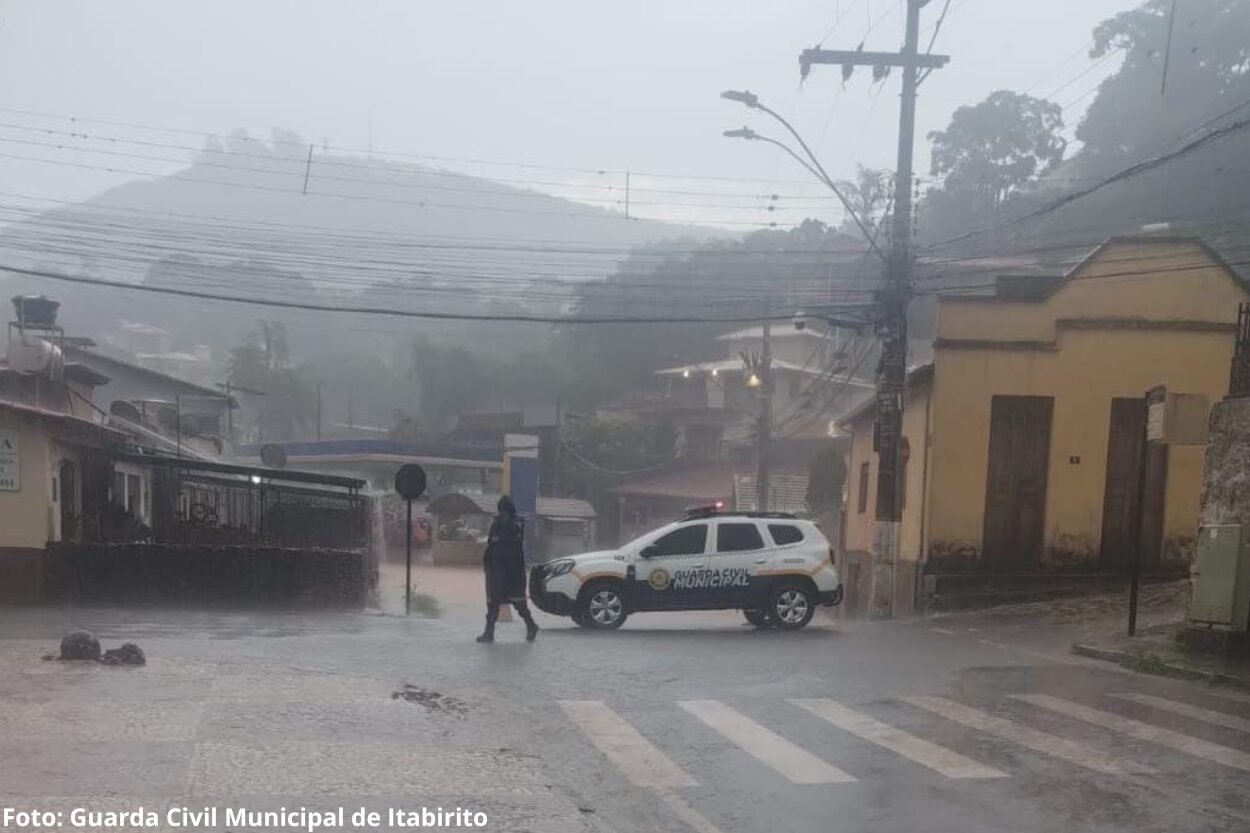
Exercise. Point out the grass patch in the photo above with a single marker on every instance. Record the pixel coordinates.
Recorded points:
(424, 604)
(1147, 664)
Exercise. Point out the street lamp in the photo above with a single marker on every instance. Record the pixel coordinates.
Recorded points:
(742, 97)
(811, 163)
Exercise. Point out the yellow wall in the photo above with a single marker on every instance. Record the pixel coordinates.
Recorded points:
(860, 528)
(25, 514)
(859, 525)
(1083, 369)
(916, 414)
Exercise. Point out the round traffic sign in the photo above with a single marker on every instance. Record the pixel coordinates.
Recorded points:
(410, 481)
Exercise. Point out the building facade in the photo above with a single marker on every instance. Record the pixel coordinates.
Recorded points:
(1023, 439)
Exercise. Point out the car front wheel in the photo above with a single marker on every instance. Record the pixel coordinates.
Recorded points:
(601, 607)
(792, 606)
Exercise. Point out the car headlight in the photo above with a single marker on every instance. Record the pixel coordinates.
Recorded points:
(559, 568)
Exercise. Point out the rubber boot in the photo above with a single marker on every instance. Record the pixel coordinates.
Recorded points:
(531, 627)
(488, 635)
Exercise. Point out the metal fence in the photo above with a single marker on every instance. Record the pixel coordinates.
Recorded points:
(195, 502)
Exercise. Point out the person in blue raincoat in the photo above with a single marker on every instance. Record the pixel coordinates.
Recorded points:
(504, 562)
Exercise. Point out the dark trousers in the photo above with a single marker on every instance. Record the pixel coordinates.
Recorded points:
(519, 605)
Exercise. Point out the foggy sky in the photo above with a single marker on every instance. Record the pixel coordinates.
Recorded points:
(550, 82)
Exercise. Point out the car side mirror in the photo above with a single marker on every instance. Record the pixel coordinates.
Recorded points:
(649, 551)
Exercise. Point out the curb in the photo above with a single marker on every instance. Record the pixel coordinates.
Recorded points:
(1133, 661)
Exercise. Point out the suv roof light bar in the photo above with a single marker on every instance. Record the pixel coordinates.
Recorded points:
(718, 509)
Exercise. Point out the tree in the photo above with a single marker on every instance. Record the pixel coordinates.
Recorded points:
(1132, 117)
(451, 380)
(992, 149)
(869, 195)
(289, 401)
(768, 271)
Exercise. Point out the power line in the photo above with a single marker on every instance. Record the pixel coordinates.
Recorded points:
(114, 240)
(1082, 49)
(400, 154)
(937, 28)
(449, 316)
(1126, 276)
(442, 241)
(584, 215)
(1135, 170)
(393, 168)
(370, 259)
(1125, 174)
(771, 202)
(1111, 53)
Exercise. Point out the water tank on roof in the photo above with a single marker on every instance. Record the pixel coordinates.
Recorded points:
(34, 356)
(126, 410)
(36, 310)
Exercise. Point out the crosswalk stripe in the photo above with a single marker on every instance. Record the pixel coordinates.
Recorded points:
(633, 754)
(794, 762)
(1229, 721)
(939, 759)
(1067, 750)
(1141, 731)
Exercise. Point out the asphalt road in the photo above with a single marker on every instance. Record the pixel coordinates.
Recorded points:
(677, 722)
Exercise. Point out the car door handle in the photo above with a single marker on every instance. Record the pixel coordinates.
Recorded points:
(697, 566)
(761, 561)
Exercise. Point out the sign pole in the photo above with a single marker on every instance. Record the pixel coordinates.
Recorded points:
(1135, 582)
(1153, 430)
(408, 563)
(410, 484)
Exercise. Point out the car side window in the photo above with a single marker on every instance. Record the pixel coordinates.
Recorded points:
(688, 540)
(738, 537)
(785, 534)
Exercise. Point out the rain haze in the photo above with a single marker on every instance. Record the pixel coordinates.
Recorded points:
(591, 86)
(701, 416)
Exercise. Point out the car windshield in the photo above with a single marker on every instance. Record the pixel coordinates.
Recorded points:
(704, 416)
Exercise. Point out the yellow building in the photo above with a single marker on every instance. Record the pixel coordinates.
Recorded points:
(1023, 437)
(51, 469)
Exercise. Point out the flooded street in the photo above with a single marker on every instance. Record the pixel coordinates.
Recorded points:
(671, 723)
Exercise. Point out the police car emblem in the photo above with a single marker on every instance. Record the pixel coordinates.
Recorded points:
(659, 579)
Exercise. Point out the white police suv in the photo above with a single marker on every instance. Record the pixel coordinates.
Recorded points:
(772, 566)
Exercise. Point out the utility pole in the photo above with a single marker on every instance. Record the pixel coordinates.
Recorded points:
(229, 414)
(555, 475)
(764, 430)
(892, 325)
(308, 168)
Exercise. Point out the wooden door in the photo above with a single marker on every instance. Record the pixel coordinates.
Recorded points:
(1119, 508)
(1015, 486)
(1119, 503)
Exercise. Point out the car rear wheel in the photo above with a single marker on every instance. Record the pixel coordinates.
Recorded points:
(756, 617)
(601, 606)
(792, 606)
